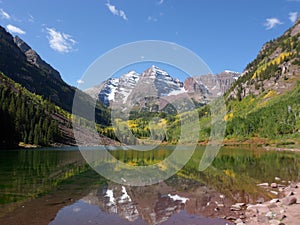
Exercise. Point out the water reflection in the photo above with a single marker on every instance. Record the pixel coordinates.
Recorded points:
(172, 202)
(60, 186)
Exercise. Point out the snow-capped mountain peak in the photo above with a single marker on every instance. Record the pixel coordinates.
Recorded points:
(149, 88)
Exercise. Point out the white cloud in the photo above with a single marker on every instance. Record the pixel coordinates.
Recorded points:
(31, 18)
(271, 23)
(4, 14)
(112, 9)
(161, 2)
(152, 19)
(293, 16)
(80, 82)
(123, 15)
(59, 41)
(13, 29)
(115, 11)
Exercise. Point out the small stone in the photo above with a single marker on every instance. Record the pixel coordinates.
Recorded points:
(235, 208)
(270, 215)
(294, 186)
(282, 211)
(260, 200)
(289, 200)
(242, 217)
(238, 221)
(275, 200)
(274, 185)
(277, 178)
(241, 204)
(231, 218)
(274, 222)
(263, 184)
(220, 205)
(274, 192)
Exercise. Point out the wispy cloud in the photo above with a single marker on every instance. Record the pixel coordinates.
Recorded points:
(4, 14)
(293, 16)
(161, 2)
(115, 11)
(152, 19)
(271, 23)
(31, 18)
(60, 42)
(80, 82)
(14, 29)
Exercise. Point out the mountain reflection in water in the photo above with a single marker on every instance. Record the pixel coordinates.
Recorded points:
(164, 203)
(57, 186)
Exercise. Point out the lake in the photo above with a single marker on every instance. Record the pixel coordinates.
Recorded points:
(57, 186)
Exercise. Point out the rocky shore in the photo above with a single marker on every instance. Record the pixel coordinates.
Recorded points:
(284, 210)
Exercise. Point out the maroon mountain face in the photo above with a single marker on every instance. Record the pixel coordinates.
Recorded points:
(156, 87)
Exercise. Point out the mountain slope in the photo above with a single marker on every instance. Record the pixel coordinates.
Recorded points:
(264, 102)
(33, 73)
(203, 88)
(26, 117)
(23, 65)
(276, 68)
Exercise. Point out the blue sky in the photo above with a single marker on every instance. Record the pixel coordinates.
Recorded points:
(71, 34)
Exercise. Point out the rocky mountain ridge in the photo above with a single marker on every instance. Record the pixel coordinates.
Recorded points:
(276, 68)
(154, 84)
(22, 64)
(35, 59)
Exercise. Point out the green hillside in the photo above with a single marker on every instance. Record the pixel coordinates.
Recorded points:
(265, 100)
(26, 117)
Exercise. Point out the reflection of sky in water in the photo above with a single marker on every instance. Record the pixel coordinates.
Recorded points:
(83, 213)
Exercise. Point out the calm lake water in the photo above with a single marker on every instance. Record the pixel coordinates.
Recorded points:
(57, 187)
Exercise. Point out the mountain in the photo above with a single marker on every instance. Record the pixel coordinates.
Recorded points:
(19, 62)
(35, 100)
(156, 87)
(203, 88)
(264, 101)
(23, 65)
(275, 68)
(135, 89)
(34, 59)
